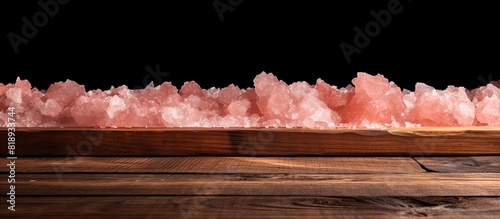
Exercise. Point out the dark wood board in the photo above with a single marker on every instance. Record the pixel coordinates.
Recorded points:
(254, 207)
(416, 184)
(436, 141)
(207, 164)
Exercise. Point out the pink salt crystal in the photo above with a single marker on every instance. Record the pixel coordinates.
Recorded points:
(24, 85)
(169, 94)
(251, 96)
(487, 100)
(314, 113)
(194, 101)
(332, 96)
(487, 111)
(195, 97)
(65, 93)
(300, 89)
(485, 91)
(373, 87)
(89, 111)
(147, 103)
(309, 109)
(296, 105)
(15, 95)
(238, 107)
(15, 92)
(51, 108)
(238, 121)
(229, 94)
(34, 118)
(184, 116)
(409, 99)
(124, 108)
(450, 107)
(274, 98)
(3, 89)
(164, 93)
(374, 100)
(191, 88)
(116, 105)
(278, 103)
(201, 103)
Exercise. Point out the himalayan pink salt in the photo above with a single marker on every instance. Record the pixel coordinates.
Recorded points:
(238, 107)
(51, 108)
(375, 100)
(312, 112)
(229, 94)
(65, 93)
(251, 96)
(451, 107)
(331, 95)
(191, 88)
(274, 98)
(487, 100)
(15, 95)
(89, 111)
(296, 105)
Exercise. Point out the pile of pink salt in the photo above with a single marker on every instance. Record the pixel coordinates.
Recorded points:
(372, 102)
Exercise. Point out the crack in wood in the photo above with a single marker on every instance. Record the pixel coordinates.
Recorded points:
(423, 166)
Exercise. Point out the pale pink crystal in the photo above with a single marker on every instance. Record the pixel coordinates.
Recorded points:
(487, 100)
(333, 97)
(90, 110)
(65, 93)
(373, 102)
(296, 105)
(51, 108)
(238, 107)
(450, 107)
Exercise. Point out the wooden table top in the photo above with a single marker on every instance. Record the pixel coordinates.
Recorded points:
(178, 173)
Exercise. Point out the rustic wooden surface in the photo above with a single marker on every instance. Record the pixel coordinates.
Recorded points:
(482, 164)
(264, 187)
(257, 207)
(460, 184)
(206, 164)
(256, 142)
(278, 173)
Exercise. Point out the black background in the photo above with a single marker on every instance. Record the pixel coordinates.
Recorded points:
(104, 43)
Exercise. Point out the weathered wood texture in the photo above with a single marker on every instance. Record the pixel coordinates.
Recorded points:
(426, 184)
(254, 207)
(255, 173)
(250, 187)
(217, 165)
(471, 164)
(255, 142)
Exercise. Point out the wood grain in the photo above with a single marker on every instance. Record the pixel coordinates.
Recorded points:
(217, 165)
(255, 142)
(416, 184)
(254, 207)
(472, 164)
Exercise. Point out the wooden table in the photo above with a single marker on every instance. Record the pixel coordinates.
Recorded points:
(254, 173)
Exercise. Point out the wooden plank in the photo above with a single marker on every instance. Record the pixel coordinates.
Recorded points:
(253, 207)
(217, 165)
(472, 164)
(426, 184)
(255, 142)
